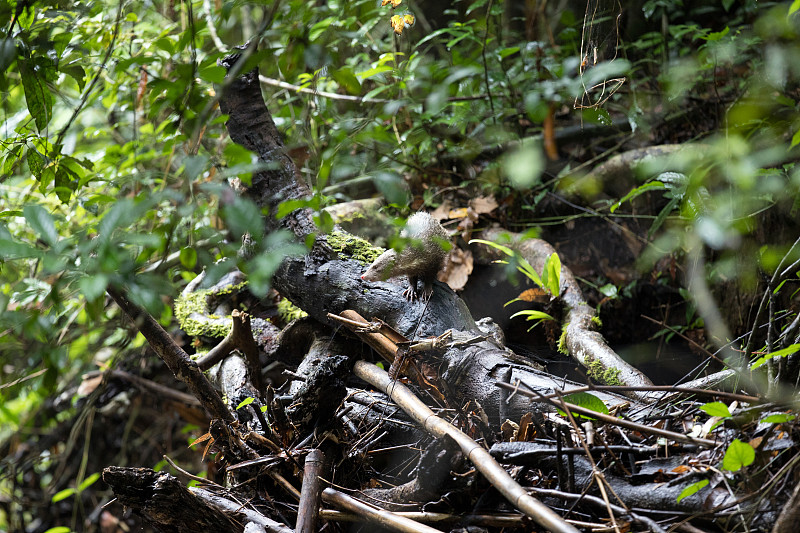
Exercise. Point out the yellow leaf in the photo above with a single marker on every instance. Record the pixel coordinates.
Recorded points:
(397, 24)
(409, 19)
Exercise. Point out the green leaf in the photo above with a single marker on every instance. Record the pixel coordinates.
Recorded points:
(738, 455)
(243, 216)
(505, 249)
(717, 35)
(89, 481)
(35, 74)
(373, 72)
(58, 529)
(347, 80)
(609, 290)
(692, 489)
(505, 52)
(794, 7)
(529, 272)
(551, 276)
(320, 27)
(532, 314)
(62, 495)
(188, 257)
(41, 222)
(789, 350)
(778, 418)
(796, 136)
(636, 192)
(16, 250)
(245, 402)
(194, 165)
(212, 73)
(587, 401)
(93, 287)
(716, 409)
(392, 186)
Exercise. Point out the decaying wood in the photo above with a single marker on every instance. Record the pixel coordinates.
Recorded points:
(375, 515)
(495, 473)
(166, 504)
(308, 509)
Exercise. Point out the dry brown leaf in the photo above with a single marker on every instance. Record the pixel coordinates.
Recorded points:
(442, 212)
(509, 430)
(483, 204)
(535, 294)
(88, 385)
(457, 269)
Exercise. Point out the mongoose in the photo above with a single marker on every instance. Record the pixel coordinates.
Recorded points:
(419, 260)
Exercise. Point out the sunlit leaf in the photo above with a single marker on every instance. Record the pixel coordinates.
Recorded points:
(738, 455)
(62, 495)
(692, 489)
(778, 418)
(532, 314)
(716, 409)
(89, 481)
(789, 350)
(247, 401)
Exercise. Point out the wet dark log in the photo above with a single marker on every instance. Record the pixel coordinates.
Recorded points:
(165, 503)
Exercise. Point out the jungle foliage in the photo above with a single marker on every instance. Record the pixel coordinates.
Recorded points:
(115, 157)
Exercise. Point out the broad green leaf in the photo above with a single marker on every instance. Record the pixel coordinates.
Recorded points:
(692, 489)
(794, 7)
(35, 73)
(716, 409)
(738, 455)
(16, 250)
(609, 290)
(59, 529)
(347, 80)
(93, 286)
(587, 401)
(41, 222)
(188, 257)
(505, 52)
(212, 73)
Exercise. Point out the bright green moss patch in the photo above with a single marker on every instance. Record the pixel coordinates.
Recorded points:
(349, 246)
(191, 310)
(609, 376)
(288, 311)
